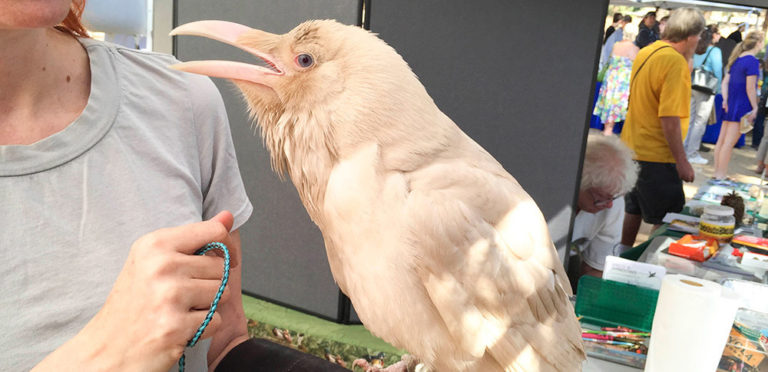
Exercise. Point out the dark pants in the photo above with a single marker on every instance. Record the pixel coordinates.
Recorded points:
(658, 190)
(257, 355)
(757, 131)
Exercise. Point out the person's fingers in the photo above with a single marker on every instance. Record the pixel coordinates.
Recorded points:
(200, 293)
(189, 238)
(202, 267)
(213, 326)
(196, 318)
(234, 248)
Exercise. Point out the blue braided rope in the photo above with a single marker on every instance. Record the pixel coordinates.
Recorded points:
(215, 303)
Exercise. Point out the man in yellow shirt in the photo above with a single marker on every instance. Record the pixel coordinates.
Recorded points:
(657, 122)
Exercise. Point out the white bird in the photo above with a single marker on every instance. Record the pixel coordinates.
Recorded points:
(440, 250)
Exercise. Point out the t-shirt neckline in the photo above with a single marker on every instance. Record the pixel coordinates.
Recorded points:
(86, 131)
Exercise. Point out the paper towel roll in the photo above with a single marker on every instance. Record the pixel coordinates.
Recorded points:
(691, 325)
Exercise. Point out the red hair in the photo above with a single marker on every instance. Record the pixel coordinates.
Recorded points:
(72, 24)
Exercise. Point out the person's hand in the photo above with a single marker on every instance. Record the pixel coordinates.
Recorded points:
(160, 298)
(725, 105)
(752, 115)
(685, 170)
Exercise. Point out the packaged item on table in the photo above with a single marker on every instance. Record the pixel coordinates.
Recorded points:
(753, 243)
(754, 261)
(744, 351)
(617, 344)
(754, 296)
(694, 247)
(764, 339)
(717, 222)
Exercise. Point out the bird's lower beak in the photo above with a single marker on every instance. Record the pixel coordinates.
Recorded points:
(227, 32)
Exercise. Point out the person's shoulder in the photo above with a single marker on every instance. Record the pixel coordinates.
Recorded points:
(128, 53)
(151, 65)
(669, 54)
(661, 50)
(148, 72)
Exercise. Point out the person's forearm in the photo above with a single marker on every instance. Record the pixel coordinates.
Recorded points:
(70, 356)
(670, 125)
(751, 91)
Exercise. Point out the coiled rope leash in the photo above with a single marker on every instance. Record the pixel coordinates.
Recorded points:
(215, 303)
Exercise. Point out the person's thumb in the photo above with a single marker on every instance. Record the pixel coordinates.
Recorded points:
(225, 218)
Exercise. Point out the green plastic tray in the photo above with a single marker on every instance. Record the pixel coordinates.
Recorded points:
(608, 303)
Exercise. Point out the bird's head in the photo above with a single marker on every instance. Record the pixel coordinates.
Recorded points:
(323, 79)
(296, 64)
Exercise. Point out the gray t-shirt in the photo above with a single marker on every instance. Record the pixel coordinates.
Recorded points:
(152, 149)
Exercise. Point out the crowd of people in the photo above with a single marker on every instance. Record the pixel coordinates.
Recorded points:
(662, 82)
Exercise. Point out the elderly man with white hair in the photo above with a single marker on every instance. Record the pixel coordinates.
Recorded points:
(607, 174)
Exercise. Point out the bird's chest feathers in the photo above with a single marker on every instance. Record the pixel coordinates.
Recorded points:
(363, 203)
(307, 151)
(354, 185)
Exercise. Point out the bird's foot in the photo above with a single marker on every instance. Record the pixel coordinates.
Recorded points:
(407, 363)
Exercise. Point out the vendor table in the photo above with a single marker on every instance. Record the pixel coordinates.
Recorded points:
(599, 365)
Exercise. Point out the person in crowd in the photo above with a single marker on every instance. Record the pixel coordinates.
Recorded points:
(726, 46)
(657, 122)
(617, 17)
(736, 34)
(648, 31)
(114, 171)
(607, 174)
(616, 36)
(739, 91)
(757, 131)
(663, 24)
(611, 105)
(760, 122)
(709, 58)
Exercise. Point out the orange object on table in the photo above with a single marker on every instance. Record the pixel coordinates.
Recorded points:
(694, 247)
(757, 243)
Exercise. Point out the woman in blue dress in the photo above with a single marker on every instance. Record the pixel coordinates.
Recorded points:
(739, 90)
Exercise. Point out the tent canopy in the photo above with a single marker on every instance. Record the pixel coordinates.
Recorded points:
(673, 4)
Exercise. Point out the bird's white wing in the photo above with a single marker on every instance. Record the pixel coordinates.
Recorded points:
(488, 265)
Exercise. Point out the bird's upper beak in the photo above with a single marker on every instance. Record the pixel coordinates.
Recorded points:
(228, 32)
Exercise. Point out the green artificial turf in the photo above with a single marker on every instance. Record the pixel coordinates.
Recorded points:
(320, 336)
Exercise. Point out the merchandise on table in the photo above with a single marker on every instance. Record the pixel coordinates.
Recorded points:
(754, 296)
(691, 324)
(616, 344)
(694, 247)
(744, 350)
(728, 260)
(753, 243)
(717, 222)
(755, 262)
(736, 202)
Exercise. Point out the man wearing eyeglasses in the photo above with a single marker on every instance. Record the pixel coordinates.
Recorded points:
(607, 174)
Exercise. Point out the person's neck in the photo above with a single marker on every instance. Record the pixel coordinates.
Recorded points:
(40, 68)
(681, 47)
(751, 52)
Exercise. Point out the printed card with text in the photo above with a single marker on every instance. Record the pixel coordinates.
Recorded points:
(632, 272)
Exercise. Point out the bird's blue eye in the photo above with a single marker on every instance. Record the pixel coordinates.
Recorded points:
(304, 60)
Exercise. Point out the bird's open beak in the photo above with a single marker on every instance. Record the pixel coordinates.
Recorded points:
(227, 32)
